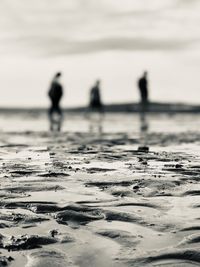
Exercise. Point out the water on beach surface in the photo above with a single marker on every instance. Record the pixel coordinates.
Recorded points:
(111, 122)
(89, 198)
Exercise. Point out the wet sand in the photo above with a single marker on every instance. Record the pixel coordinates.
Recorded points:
(91, 199)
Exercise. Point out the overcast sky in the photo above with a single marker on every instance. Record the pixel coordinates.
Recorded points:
(110, 39)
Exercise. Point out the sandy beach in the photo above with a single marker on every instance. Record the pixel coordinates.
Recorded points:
(100, 133)
(80, 198)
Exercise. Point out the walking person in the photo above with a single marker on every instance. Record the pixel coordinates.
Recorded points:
(95, 98)
(144, 91)
(144, 95)
(55, 94)
(96, 107)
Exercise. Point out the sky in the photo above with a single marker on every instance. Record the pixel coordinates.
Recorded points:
(111, 40)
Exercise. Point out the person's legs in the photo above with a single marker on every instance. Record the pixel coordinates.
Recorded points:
(50, 112)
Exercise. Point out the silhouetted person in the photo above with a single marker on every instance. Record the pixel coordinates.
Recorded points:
(55, 94)
(95, 97)
(143, 88)
(144, 126)
(96, 105)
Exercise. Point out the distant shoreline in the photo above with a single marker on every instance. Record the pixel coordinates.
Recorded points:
(154, 107)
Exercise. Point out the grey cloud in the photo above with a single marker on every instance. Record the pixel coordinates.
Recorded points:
(121, 43)
(187, 2)
(54, 46)
(43, 28)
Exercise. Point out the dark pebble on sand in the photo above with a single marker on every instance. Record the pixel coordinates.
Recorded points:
(143, 149)
(136, 187)
(179, 166)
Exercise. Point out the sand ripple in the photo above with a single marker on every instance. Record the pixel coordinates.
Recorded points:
(68, 192)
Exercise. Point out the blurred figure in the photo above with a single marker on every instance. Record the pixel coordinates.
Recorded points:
(144, 126)
(95, 98)
(143, 88)
(96, 107)
(144, 94)
(55, 95)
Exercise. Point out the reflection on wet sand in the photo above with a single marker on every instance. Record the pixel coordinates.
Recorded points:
(56, 120)
(96, 122)
(144, 129)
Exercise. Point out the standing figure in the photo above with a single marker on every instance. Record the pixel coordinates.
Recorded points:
(96, 106)
(143, 88)
(95, 98)
(144, 126)
(55, 95)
